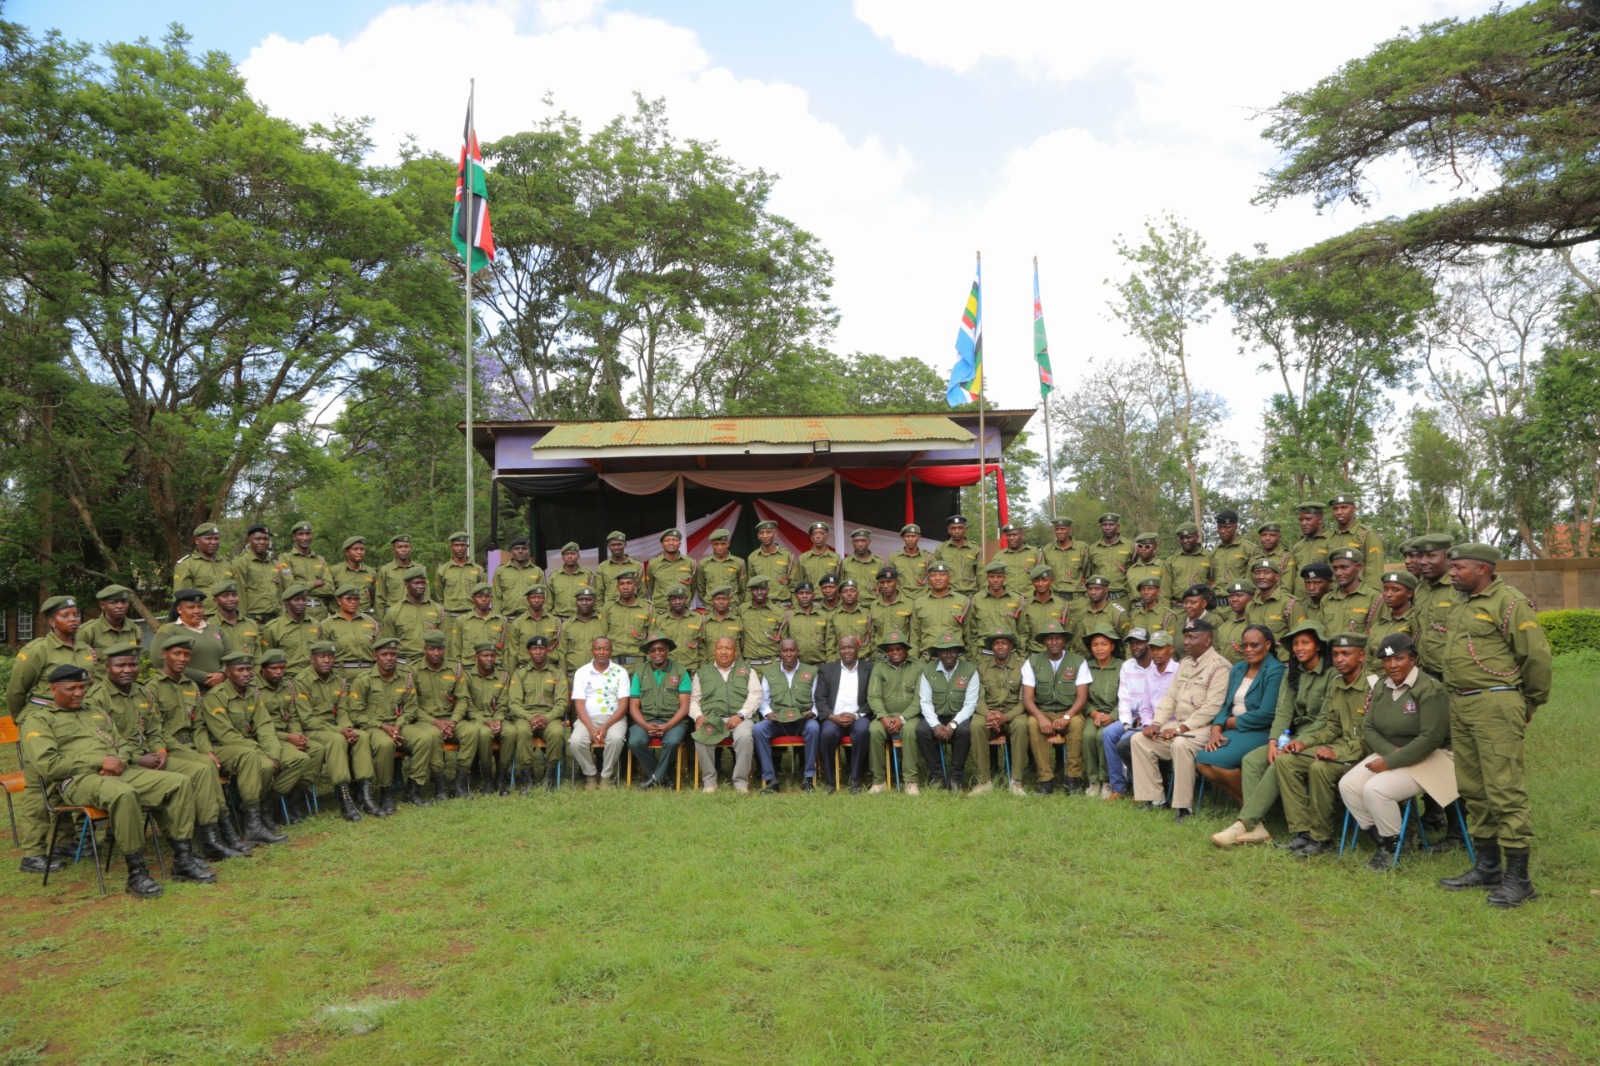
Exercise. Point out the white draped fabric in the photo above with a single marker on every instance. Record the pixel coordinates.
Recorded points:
(746, 481)
(644, 547)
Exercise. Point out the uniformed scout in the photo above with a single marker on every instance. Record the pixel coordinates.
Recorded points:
(962, 557)
(892, 699)
(239, 632)
(76, 750)
(205, 661)
(787, 710)
(1497, 669)
(512, 579)
(1150, 612)
(1188, 565)
(346, 758)
(383, 705)
(810, 627)
(719, 568)
(1316, 580)
(236, 727)
(138, 723)
(1055, 691)
(565, 583)
(1144, 565)
(113, 627)
(947, 698)
(437, 678)
(1348, 532)
(773, 561)
(1436, 598)
(414, 617)
(669, 568)
(862, 564)
(1231, 558)
(1099, 607)
(306, 567)
(659, 709)
(1067, 559)
(1309, 768)
(765, 624)
(940, 609)
(828, 593)
(483, 704)
(1232, 621)
(1020, 559)
(1314, 543)
(458, 576)
(723, 700)
(351, 631)
(1039, 609)
(535, 620)
(579, 632)
(539, 697)
(629, 620)
(891, 610)
(912, 562)
(293, 632)
(202, 568)
(1398, 611)
(289, 710)
(1109, 557)
(1181, 722)
(617, 561)
(352, 569)
(390, 587)
(850, 619)
(1348, 606)
(1272, 547)
(260, 576)
(994, 608)
(821, 560)
(59, 645)
(1000, 712)
(481, 625)
(1271, 606)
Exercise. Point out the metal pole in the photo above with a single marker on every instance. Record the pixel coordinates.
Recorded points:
(1049, 455)
(467, 206)
(983, 477)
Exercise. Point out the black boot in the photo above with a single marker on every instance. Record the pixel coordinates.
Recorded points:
(486, 783)
(415, 797)
(1485, 873)
(368, 802)
(441, 787)
(140, 883)
(347, 804)
(230, 836)
(463, 783)
(1074, 786)
(187, 866)
(505, 782)
(550, 779)
(298, 805)
(391, 798)
(269, 816)
(212, 845)
(1516, 887)
(255, 829)
(1383, 858)
(35, 864)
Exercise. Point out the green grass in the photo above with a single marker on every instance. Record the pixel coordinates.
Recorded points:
(629, 928)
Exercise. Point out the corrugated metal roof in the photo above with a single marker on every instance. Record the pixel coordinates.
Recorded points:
(732, 432)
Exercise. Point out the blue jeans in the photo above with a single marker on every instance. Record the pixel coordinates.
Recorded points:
(768, 728)
(1117, 765)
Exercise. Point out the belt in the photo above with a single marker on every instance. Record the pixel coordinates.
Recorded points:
(762, 662)
(1496, 688)
(355, 666)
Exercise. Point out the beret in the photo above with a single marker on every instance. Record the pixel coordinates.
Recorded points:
(58, 603)
(292, 591)
(1061, 520)
(225, 586)
(394, 642)
(995, 568)
(1229, 516)
(1354, 555)
(1396, 644)
(257, 528)
(1186, 528)
(673, 532)
(177, 640)
(1434, 542)
(1148, 582)
(482, 588)
(887, 572)
(538, 640)
(414, 572)
(182, 596)
(1240, 586)
(1483, 553)
(1098, 579)
(1348, 640)
(435, 639)
(537, 590)
(400, 538)
(766, 523)
(206, 529)
(114, 592)
(519, 542)
(1145, 538)
(828, 579)
(1197, 590)
(1400, 577)
(270, 656)
(1111, 516)
(758, 582)
(1342, 498)
(616, 534)
(956, 520)
(1264, 564)
(484, 645)
(582, 592)
(1317, 570)
(570, 546)
(678, 592)
(120, 649)
(323, 647)
(1310, 507)
(1269, 527)
(799, 586)
(67, 672)
(1039, 571)
(346, 590)
(300, 527)
(854, 533)
(813, 527)
(459, 535)
(939, 568)
(717, 534)
(234, 658)
(351, 542)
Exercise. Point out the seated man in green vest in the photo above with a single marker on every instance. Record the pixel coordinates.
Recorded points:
(723, 702)
(947, 694)
(787, 711)
(659, 707)
(1055, 690)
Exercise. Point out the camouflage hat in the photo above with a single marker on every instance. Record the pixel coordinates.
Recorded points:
(234, 658)
(383, 643)
(400, 538)
(1042, 570)
(537, 590)
(1146, 538)
(67, 673)
(300, 527)
(1139, 633)
(484, 645)
(1310, 507)
(760, 581)
(1354, 555)
(1399, 577)
(995, 568)
(119, 650)
(570, 546)
(813, 527)
(223, 588)
(538, 640)
(658, 637)
(1161, 639)
(893, 637)
(999, 634)
(673, 532)
(911, 527)
(322, 647)
(1148, 582)
(459, 536)
(292, 591)
(181, 596)
(1342, 498)
(947, 639)
(177, 640)
(114, 592)
(346, 590)
(414, 572)
(617, 534)
(1110, 516)
(1199, 625)
(720, 534)
(483, 588)
(433, 639)
(1052, 626)
(1483, 553)
(939, 568)
(1348, 640)
(1270, 527)
(1061, 520)
(206, 529)
(1264, 564)
(886, 573)
(1101, 629)
(270, 656)
(1434, 542)
(1099, 579)
(766, 523)
(1187, 528)
(351, 542)
(1240, 586)
(1396, 644)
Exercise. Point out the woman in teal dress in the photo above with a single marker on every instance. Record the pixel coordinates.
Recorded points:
(1105, 669)
(1245, 721)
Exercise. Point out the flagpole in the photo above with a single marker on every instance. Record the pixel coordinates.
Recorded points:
(466, 270)
(983, 477)
(1049, 450)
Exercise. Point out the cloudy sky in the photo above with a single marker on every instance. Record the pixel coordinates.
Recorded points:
(908, 133)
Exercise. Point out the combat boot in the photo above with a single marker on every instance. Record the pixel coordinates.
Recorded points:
(347, 804)
(1515, 887)
(463, 783)
(486, 784)
(1383, 858)
(368, 803)
(212, 845)
(505, 782)
(1485, 873)
(140, 883)
(415, 797)
(391, 798)
(441, 787)
(297, 805)
(550, 779)
(230, 836)
(187, 866)
(255, 829)
(269, 816)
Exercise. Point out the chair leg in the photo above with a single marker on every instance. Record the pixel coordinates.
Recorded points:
(11, 811)
(1461, 819)
(1200, 790)
(1344, 832)
(155, 835)
(94, 851)
(50, 848)
(1405, 819)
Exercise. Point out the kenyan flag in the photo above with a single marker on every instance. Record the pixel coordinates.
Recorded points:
(471, 229)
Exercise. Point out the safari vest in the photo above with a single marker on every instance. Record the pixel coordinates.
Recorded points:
(1103, 687)
(949, 693)
(790, 700)
(658, 700)
(1055, 690)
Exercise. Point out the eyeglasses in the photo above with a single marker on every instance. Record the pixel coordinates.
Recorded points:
(1253, 644)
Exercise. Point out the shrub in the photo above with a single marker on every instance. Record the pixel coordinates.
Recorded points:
(1571, 630)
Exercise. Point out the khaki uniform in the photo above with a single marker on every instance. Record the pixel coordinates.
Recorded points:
(1348, 612)
(468, 630)
(815, 565)
(352, 639)
(261, 585)
(1433, 603)
(777, 566)
(195, 571)
(1088, 616)
(1307, 550)
(327, 716)
(456, 581)
(901, 615)
(892, 692)
(309, 569)
(606, 576)
(374, 703)
(541, 693)
(175, 706)
(1364, 540)
(577, 641)
(1309, 786)
(856, 622)
(293, 638)
(865, 574)
(1035, 615)
(1067, 565)
(1301, 710)
(963, 561)
(29, 686)
(1231, 562)
(564, 585)
(98, 635)
(411, 622)
(628, 624)
(1182, 569)
(662, 575)
(1230, 634)
(1277, 612)
(1138, 571)
(511, 583)
(237, 728)
(1001, 691)
(290, 710)
(1110, 561)
(210, 645)
(1165, 618)
(526, 627)
(713, 573)
(139, 725)
(1019, 562)
(481, 703)
(1386, 624)
(813, 631)
(764, 627)
(389, 586)
(687, 633)
(940, 614)
(913, 571)
(366, 582)
(241, 633)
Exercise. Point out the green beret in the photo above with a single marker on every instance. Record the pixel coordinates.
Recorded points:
(394, 642)
(114, 592)
(300, 527)
(1240, 586)
(1348, 640)
(1409, 546)
(721, 590)
(351, 542)
(1145, 538)
(322, 647)
(483, 588)
(570, 546)
(758, 582)
(270, 656)
(1145, 582)
(847, 583)
(1400, 577)
(1269, 527)
(947, 639)
(1110, 516)
(414, 572)
(1264, 564)
(1309, 507)
(813, 527)
(1097, 579)
(1483, 553)
(537, 590)
(1042, 570)
(206, 529)
(1161, 639)
(433, 639)
(674, 532)
(1354, 555)
(720, 534)
(631, 575)
(911, 527)
(226, 586)
(1434, 542)
(854, 533)
(998, 634)
(1060, 520)
(617, 534)
(400, 538)
(995, 568)
(1011, 527)
(1343, 497)
(1187, 527)
(678, 592)
(1312, 627)
(177, 640)
(483, 646)
(233, 658)
(294, 590)
(346, 590)
(939, 568)
(893, 637)
(582, 592)
(766, 523)
(459, 535)
(120, 649)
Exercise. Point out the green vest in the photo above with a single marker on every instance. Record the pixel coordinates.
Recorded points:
(1052, 690)
(949, 694)
(789, 700)
(658, 700)
(1103, 687)
(720, 700)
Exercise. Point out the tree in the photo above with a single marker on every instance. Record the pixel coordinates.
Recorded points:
(1506, 102)
(1169, 291)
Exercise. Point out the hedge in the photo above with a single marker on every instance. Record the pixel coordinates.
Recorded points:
(1571, 630)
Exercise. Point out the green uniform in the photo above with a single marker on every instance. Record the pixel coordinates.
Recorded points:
(326, 717)
(1035, 614)
(577, 641)
(1088, 616)
(293, 638)
(662, 575)
(1288, 575)
(658, 693)
(901, 615)
(1055, 689)
(1001, 690)
(1231, 562)
(687, 633)
(1104, 685)
(892, 692)
(389, 586)
(854, 622)
(541, 693)
(1495, 650)
(290, 710)
(1308, 610)
(1307, 550)
(30, 670)
(1302, 709)
(963, 561)
(311, 570)
(237, 728)
(1276, 612)
(1434, 601)
(195, 571)
(527, 626)
(1364, 540)
(940, 614)
(564, 585)
(1348, 612)
(813, 631)
(1110, 560)
(140, 726)
(913, 570)
(1310, 786)
(1229, 637)
(715, 627)
(864, 572)
(778, 567)
(1161, 617)
(467, 630)
(209, 647)
(482, 703)
(1019, 562)
(989, 613)
(456, 582)
(1067, 564)
(1139, 571)
(262, 580)
(1407, 724)
(98, 635)
(411, 622)
(815, 565)
(365, 580)
(176, 708)
(1182, 569)
(764, 627)
(1386, 624)
(239, 633)
(68, 748)
(352, 639)
(511, 583)
(713, 573)
(374, 703)
(628, 624)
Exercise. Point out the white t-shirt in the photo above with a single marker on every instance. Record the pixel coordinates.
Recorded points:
(602, 693)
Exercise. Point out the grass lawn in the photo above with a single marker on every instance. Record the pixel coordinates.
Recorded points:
(628, 928)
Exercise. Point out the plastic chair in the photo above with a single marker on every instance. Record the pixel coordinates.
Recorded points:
(14, 780)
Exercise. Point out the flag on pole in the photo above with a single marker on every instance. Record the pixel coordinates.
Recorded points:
(966, 377)
(1041, 347)
(472, 203)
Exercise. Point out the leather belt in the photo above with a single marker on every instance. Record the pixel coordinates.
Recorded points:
(1496, 688)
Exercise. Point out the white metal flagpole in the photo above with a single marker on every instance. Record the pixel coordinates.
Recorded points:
(467, 205)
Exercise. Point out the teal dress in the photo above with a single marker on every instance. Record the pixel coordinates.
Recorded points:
(1253, 728)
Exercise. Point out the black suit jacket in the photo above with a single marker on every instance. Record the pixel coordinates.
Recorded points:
(826, 690)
